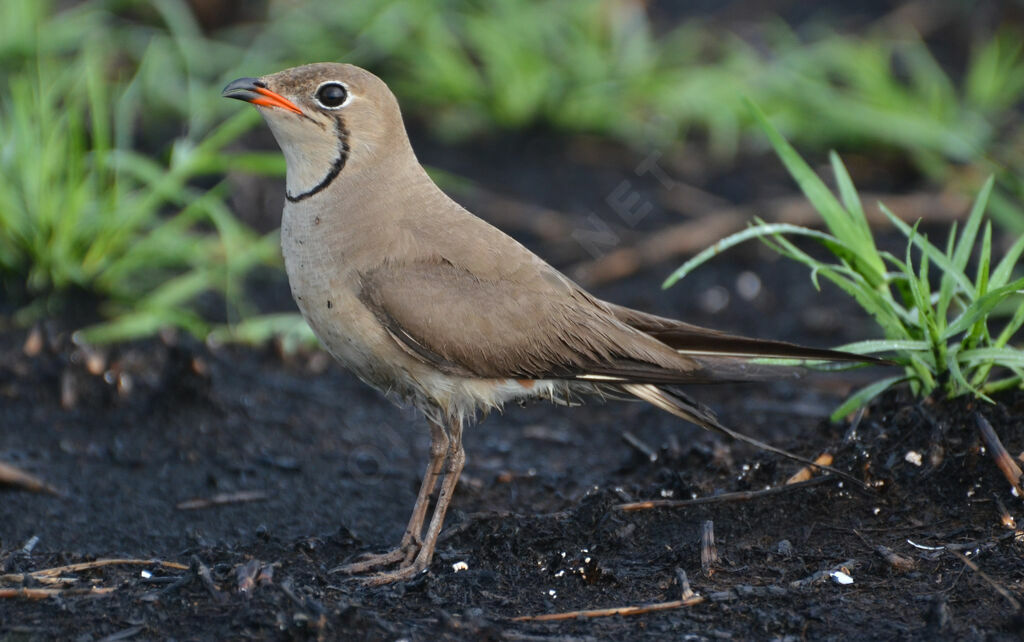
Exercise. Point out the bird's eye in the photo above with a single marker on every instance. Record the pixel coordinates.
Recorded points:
(331, 95)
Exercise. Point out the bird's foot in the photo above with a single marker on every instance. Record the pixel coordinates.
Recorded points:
(403, 572)
(405, 555)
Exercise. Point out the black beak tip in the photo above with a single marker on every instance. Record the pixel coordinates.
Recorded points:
(241, 89)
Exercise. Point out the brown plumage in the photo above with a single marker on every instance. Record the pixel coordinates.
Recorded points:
(430, 304)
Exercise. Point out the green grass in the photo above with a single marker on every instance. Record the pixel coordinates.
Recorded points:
(468, 68)
(137, 231)
(81, 211)
(935, 311)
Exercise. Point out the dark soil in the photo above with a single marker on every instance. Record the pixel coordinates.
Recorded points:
(130, 433)
(535, 518)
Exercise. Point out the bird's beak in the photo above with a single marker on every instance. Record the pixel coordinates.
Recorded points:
(251, 90)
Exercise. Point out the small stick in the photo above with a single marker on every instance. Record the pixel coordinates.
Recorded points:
(20, 577)
(739, 496)
(84, 566)
(685, 592)
(708, 550)
(985, 576)
(183, 580)
(814, 578)
(266, 575)
(221, 499)
(1004, 461)
(639, 445)
(44, 593)
(897, 561)
(246, 576)
(805, 473)
(18, 478)
(202, 571)
(617, 610)
(1005, 518)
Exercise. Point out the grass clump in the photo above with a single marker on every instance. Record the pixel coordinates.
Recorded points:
(939, 327)
(81, 211)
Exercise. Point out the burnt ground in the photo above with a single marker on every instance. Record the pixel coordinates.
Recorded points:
(335, 469)
(131, 433)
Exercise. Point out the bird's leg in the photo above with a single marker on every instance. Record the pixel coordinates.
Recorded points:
(411, 540)
(456, 460)
(439, 449)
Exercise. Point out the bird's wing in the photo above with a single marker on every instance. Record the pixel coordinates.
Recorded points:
(537, 328)
(548, 328)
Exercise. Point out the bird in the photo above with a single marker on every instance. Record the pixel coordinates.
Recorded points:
(437, 308)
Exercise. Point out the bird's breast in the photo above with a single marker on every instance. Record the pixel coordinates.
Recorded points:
(324, 280)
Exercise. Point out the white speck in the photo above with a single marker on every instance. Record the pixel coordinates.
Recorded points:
(460, 566)
(552, 593)
(841, 578)
(586, 560)
(1013, 490)
(714, 299)
(563, 555)
(913, 457)
(748, 285)
(145, 575)
(667, 492)
(560, 573)
(584, 550)
(923, 547)
(746, 467)
(876, 511)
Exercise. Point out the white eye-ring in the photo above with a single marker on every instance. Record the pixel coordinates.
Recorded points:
(332, 94)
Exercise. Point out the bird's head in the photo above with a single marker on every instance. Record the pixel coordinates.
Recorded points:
(328, 118)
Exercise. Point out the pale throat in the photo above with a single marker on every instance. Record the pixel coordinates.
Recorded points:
(314, 156)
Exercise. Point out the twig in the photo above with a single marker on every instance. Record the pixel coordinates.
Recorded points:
(822, 575)
(618, 610)
(639, 445)
(1004, 461)
(708, 550)
(991, 582)
(202, 571)
(897, 561)
(685, 592)
(739, 496)
(1005, 518)
(18, 478)
(44, 593)
(183, 580)
(245, 575)
(805, 473)
(221, 499)
(266, 575)
(84, 566)
(20, 577)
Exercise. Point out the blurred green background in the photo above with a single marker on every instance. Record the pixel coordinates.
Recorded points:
(118, 157)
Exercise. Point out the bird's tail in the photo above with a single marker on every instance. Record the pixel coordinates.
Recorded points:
(680, 405)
